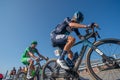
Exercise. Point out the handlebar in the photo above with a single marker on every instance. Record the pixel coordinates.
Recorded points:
(91, 32)
(38, 62)
(40, 59)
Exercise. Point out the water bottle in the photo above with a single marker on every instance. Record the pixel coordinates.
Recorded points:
(58, 52)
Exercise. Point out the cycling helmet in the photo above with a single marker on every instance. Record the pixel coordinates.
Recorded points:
(78, 17)
(34, 42)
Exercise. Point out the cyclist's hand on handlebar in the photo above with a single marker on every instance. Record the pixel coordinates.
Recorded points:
(94, 25)
(46, 58)
(81, 37)
(37, 59)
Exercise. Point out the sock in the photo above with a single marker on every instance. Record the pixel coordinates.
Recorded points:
(29, 71)
(75, 56)
(69, 62)
(63, 55)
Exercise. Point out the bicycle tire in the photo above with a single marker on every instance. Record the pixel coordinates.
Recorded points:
(21, 76)
(52, 70)
(101, 75)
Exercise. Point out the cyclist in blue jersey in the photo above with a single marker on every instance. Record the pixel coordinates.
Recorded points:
(60, 36)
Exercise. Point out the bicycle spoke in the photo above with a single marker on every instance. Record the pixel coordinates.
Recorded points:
(110, 70)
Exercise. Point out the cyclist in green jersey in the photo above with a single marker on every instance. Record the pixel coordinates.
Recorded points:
(28, 57)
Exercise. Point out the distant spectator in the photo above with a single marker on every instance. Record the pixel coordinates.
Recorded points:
(19, 70)
(13, 72)
(1, 76)
(24, 69)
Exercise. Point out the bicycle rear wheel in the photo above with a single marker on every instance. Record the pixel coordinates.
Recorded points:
(98, 67)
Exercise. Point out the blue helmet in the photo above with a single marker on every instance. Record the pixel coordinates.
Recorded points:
(78, 16)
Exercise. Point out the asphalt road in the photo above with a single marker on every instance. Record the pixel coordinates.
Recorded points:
(105, 75)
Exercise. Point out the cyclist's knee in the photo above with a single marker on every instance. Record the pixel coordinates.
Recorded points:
(71, 39)
(70, 55)
(31, 61)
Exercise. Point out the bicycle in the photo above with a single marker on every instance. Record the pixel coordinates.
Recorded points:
(101, 52)
(35, 73)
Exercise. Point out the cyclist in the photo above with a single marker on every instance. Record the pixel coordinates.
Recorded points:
(28, 57)
(60, 36)
(13, 72)
(19, 70)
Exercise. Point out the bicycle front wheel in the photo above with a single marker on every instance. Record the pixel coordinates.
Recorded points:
(52, 71)
(98, 67)
(48, 69)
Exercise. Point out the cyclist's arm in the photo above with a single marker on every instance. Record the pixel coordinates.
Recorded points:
(77, 33)
(76, 25)
(32, 55)
(41, 56)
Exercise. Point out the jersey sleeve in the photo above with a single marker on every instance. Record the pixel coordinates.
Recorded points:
(67, 20)
(36, 51)
(28, 49)
(76, 31)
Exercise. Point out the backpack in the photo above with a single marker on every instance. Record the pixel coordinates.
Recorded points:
(61, 28)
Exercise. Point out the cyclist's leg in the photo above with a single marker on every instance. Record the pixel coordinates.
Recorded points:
(30, 68)
(67, 47)
(70, 54)
(68, 41)
(69, 44)
(25, 60)
(61, 40)
(29, 62)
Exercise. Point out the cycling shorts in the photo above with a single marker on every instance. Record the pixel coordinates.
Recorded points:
(59, 39)
(25, 60)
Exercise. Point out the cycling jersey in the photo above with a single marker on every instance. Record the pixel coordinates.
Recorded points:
(29, 49)
(63, 28)
(60, 34)
(26, 57)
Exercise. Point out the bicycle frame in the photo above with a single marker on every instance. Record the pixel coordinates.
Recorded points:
(86, 44)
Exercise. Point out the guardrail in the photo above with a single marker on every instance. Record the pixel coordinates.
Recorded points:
(95, 64)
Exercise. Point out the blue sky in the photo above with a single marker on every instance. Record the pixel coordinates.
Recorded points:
(22, 21)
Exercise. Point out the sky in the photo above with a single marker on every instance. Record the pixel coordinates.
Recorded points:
(22, 21)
